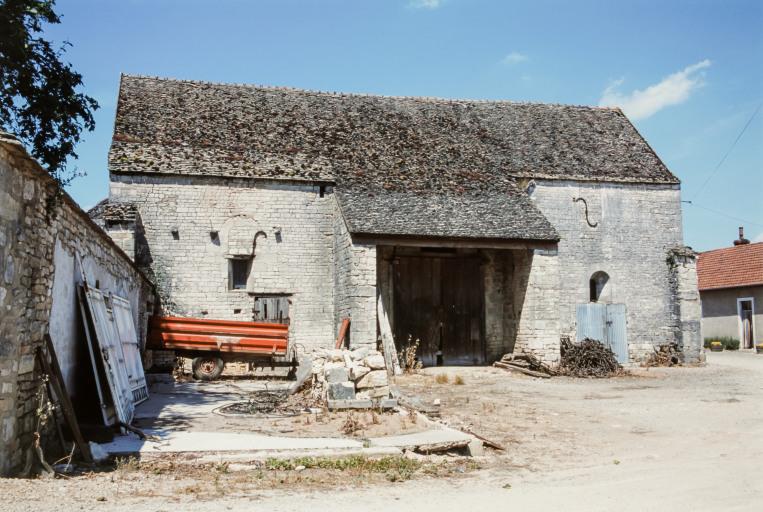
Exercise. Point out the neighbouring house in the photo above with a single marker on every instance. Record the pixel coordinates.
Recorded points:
(477, 227)
(731, 291)
(48, 247)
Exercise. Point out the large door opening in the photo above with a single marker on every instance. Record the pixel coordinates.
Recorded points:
(439, 300)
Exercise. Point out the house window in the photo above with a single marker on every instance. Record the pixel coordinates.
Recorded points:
(597, 287)
(238, 273)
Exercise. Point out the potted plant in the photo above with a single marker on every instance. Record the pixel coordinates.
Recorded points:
(759, 348)
(716, 346)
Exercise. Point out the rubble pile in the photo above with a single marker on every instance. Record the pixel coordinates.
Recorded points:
(667, 354)
(588, 358)
(358, 374)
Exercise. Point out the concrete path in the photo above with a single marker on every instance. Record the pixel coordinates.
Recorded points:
(173, 408)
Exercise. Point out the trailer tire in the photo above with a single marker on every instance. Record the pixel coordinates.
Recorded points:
(207, 367)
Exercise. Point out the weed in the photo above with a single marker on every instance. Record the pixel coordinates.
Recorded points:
(127, 464)
(351, 424)
(458, 380)
(395, 468)
(442, 378)
(407, 356)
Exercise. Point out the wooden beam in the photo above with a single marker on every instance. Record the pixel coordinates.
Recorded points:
(342, 333)
(388, 340)
(53, 370)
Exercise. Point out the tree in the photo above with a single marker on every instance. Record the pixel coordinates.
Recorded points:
(39, 101)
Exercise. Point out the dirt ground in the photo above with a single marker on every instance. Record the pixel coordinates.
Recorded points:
(663, 439)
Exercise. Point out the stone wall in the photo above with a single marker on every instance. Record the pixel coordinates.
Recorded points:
(41, 231)
(355, 274)
(193, 227)
(687, 309)
(536, 304)
(626, 233)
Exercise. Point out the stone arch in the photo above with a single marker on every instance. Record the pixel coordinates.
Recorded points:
(599, 287)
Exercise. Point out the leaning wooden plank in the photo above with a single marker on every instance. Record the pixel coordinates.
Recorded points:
(521, 370)
(388, 340)
(342, 333)
(53, 370)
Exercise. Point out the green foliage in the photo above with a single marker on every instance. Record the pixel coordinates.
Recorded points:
(39, 101)
(727, 342)
(395, 468)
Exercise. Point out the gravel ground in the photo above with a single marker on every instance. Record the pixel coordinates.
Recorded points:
(663, 439)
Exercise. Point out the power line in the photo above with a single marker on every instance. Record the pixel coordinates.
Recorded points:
(722, 214)
(727, 152)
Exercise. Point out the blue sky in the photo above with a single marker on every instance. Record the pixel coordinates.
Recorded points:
(688, 73)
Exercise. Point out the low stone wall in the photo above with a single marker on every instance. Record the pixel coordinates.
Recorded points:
(44, 236)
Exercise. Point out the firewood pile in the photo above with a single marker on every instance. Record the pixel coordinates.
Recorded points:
(527, 364)
(667, 354)
(587, 358)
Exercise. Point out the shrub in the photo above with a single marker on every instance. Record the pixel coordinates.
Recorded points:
(442, 378)
(727, 342)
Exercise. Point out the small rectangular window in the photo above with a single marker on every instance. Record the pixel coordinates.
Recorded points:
(238, 273)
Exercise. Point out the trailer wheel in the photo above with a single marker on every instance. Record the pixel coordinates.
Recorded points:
(207, 367)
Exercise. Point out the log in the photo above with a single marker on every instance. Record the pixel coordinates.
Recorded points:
(519, 369)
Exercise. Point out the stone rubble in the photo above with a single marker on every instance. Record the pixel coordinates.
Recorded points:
(358, 374)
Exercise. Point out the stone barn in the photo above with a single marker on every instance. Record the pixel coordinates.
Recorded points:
(477, 227)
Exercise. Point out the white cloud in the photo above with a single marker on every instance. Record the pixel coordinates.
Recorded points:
(672, 90)
(514, 58)
(425, 4)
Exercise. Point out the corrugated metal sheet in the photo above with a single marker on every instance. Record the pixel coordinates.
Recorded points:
(227, 336)
(605, 323)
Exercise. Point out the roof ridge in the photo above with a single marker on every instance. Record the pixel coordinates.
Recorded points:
(431, 99)
(751, 244)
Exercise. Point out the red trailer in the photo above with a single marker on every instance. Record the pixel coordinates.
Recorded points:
(212, 342)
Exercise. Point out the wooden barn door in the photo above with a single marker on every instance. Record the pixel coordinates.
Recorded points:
(439, 300)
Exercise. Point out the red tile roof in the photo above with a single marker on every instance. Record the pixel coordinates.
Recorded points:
(732, 267)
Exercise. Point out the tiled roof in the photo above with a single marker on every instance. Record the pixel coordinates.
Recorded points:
(452, 153)
(732, 267)
(110, 211)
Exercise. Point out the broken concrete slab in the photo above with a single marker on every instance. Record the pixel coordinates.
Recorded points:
(389, 403)
(164, 442)
(430, 441)
(349, 404)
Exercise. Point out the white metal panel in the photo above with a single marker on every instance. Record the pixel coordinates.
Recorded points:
(111, 354)
(616, 331)
(605, 323)
(591, 321)
(122, 314)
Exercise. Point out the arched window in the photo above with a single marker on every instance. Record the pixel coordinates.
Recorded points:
(598, 286)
